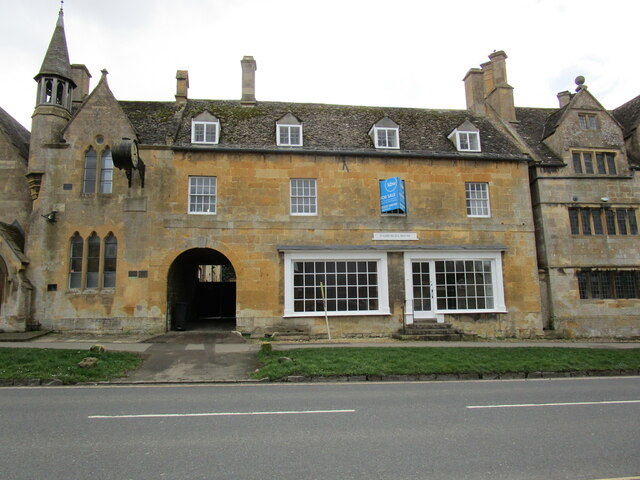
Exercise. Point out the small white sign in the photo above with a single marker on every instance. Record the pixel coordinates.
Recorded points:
(395, 236)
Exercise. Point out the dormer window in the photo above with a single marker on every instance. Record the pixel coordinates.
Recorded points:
(466, 137)
(588, 121)
(385, 134)
(289, 131)
(205, 128)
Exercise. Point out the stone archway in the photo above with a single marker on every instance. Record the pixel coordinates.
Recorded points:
(201, 291)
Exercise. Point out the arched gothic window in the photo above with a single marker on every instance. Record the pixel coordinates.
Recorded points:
(109, 261)
(93, 261)
(75, 261)
(106, 172)
(90, 165)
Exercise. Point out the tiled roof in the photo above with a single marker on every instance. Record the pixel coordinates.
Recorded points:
(14, 237)
(628, 115)
(155, 122)
(531, 126)
(17, 133)
(327, 128)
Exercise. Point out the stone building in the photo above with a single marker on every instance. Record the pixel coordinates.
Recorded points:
(271, 216)
(585, 197)
(15, 208)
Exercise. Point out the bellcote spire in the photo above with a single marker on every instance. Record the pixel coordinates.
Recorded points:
(56, 60)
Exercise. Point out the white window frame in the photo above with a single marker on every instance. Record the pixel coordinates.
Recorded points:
(193, 195)
(460, 135)
(495, 257)
(206, 126)
(382, 137)
(309, 191)
(481, 202)
(383, 290)
(286, 129)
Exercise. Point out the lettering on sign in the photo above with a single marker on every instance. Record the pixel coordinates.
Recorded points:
(395, 236)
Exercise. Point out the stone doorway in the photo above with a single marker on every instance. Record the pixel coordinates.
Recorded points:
(201, 291)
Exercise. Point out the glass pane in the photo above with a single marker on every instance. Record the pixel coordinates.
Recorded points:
(588, 162)
(611, 163)
(90, 165)
(574, 222)
(601, 163)
(577, 163)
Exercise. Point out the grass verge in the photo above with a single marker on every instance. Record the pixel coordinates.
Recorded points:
(44, 363)
(318, 362)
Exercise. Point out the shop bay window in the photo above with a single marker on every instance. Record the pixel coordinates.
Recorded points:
(346, 283)
(454, 283)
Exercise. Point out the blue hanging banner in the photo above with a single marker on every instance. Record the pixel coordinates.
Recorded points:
(392, 195)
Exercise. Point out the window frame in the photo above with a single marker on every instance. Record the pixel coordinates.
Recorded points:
(191, 195)
(496, 274)
(205, 124)
(92, 262)
(607, 284)
(593, 162)
(377, 131)
(459, 141)
(87, 268)
(109, 261)
(485, 203)
(106, 171)
(281, 128)
(600, 221)
(313, 195)
(336, 256)
(588, 121)
(76, 257)
(89, 183)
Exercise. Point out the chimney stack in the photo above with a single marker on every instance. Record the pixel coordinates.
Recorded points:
(80, 76)
(248, 81)
(474, 91)
(499, 94)
(182, 86)
(564, 98)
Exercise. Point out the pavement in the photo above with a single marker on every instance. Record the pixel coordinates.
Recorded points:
(224, 357)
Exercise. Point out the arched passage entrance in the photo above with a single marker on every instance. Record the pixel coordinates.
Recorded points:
(201, 291)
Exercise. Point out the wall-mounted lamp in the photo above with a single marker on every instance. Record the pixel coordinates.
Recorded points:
(50, 217)
(604, 199)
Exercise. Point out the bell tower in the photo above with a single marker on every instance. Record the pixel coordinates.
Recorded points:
(53, 104)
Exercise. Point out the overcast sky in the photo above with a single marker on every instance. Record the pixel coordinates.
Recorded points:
(402, 53)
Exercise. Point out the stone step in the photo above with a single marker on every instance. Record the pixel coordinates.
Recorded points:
(432, 326)
(429, 331)
(425, 338)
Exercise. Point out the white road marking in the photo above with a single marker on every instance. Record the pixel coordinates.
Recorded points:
(221, 414)
(561, 404)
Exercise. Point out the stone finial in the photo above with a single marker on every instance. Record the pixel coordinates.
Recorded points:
(580, 83)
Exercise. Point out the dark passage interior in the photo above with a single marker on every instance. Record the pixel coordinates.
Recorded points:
(202, 291)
